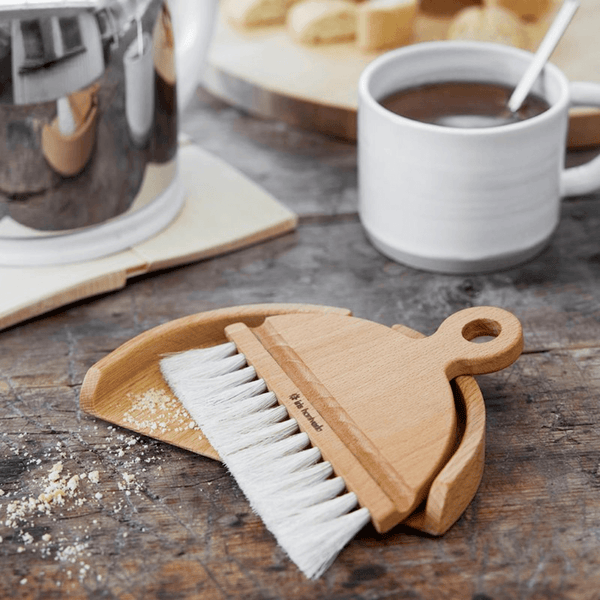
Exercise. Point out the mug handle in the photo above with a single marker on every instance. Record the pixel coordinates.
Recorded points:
(583, 179)
(193, 21)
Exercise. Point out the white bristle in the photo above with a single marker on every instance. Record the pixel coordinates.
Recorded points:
(249, 405)
(224, 398)
(288, 484)
(214, 368)
(291, 463)
(225, 382)
(206, 354)
(264, 457)
(293, 483)
(259, 419)
(314, 547)
(298, 480)
(246, 428)
(232, 441)
(295, 499)
(267, 454)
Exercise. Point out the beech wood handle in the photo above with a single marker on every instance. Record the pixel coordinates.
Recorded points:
(454, 340)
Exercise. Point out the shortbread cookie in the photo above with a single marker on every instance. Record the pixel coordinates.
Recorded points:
(251, 13)
(447, 7)
(322, 21)
(489, 24)
(528, 10)
(385, 23)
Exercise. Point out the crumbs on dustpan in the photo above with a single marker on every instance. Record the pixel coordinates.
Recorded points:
(157, 411)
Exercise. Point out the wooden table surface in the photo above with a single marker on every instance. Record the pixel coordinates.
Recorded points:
(150, 521)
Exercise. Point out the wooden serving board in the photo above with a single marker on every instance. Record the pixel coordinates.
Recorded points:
(315, 87)
(223, 211)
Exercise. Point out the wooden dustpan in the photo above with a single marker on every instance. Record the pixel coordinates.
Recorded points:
(112, 387)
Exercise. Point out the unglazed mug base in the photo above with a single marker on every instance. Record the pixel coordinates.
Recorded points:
(458, 266)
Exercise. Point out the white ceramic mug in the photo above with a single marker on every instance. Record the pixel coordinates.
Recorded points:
(89, 100)
(461, 200)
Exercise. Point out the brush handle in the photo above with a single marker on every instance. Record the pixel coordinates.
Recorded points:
(454, 341)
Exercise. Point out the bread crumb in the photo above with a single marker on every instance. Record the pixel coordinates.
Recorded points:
(157, 411)
(55, 471)
(70, 553)
(128, 478)
(55, 492)
(27, 538)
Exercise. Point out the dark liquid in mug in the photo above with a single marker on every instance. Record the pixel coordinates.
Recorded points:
(462, 104)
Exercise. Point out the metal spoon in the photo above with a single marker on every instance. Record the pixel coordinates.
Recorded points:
(545, 49)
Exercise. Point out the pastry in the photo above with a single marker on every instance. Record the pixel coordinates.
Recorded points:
(489, 24)
(322, 21)
(384, 23)
(251, 13)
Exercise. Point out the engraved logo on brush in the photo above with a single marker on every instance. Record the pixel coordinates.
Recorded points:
(304, 411)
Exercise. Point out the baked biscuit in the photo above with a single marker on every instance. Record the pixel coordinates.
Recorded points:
(322, 21)
(385, 23)
(252, 13)
(489, 24)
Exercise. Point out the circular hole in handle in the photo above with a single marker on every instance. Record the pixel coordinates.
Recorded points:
(481, 330)
(455, 337)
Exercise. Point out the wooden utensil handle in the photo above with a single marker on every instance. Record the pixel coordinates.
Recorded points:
(454, 341)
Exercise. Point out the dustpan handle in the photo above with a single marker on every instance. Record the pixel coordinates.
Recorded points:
(461, 355)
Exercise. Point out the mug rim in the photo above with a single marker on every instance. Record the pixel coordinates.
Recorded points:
(415, 49)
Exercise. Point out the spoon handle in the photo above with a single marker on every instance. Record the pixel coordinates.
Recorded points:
(551, 39)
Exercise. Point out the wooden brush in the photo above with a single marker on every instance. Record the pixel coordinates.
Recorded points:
(126, 388)
(328, 421)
